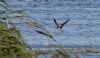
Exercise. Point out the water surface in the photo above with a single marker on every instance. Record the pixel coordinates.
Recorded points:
(82, 29)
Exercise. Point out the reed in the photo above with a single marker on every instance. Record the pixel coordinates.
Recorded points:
(12, 44)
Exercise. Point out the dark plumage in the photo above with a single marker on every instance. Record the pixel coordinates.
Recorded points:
(56, 23)
(61, 25)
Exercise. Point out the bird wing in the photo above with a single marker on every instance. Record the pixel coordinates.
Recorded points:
(64, 23)
(56, 22)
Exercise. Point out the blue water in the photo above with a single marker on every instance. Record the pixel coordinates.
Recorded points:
(81, 56)
(82, 29)
(91, 56)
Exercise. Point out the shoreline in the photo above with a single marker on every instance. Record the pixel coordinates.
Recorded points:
(65, 46)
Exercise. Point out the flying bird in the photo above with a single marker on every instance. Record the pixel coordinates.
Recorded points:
(60, 26)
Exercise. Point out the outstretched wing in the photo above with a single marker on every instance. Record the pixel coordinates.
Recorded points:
(56, 22)
(64, 23)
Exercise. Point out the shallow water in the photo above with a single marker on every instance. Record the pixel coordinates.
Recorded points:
(91, 56)
(81, 56)
(82, 29)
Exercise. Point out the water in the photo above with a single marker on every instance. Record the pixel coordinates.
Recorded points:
(60, 56)
(82, 29)
(91, 56)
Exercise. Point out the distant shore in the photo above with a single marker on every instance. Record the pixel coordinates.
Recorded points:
(65, 46)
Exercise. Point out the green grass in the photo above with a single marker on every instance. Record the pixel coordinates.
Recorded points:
(11, 43)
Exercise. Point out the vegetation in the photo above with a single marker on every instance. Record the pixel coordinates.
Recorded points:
(11, 43)
(11, 40)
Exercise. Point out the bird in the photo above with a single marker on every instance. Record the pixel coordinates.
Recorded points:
(60, 26)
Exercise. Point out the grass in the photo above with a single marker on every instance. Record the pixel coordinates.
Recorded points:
(53, 53)
(11, 43)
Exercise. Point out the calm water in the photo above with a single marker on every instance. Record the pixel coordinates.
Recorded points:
(82, 56)
(82, 29)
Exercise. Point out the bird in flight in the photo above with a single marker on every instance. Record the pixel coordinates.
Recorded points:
(60, 26)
